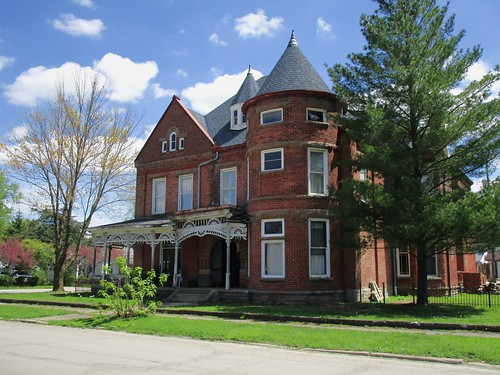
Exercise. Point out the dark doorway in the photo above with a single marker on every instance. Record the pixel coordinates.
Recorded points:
(168, 262)
(218, 265)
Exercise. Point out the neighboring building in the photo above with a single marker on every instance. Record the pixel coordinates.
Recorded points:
(239, 198)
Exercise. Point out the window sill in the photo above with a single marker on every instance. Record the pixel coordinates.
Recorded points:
(316, 279)
(272, 279)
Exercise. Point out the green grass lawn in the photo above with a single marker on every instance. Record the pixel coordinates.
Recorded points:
(368, 311)
(372, 311)
(432, 344)
(8, 312)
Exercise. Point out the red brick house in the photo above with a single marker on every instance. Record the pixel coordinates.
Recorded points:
(239, 197)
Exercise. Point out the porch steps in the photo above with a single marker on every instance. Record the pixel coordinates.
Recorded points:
(376, 292)
(195, 296)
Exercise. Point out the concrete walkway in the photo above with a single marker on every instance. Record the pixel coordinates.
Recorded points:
(69, 289)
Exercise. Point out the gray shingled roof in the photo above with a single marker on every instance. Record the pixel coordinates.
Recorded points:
(248, 89)
(293, 72)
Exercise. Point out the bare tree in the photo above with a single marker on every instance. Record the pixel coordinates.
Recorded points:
(76, 154)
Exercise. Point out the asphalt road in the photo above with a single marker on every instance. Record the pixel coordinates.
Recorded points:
(40, 349)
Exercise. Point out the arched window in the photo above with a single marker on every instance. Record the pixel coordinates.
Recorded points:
(173, 141)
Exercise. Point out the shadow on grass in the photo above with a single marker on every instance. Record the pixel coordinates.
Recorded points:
(357, 310)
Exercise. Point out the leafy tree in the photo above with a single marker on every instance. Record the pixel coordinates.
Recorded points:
(76, 152)
(9, 193)
(418, 130)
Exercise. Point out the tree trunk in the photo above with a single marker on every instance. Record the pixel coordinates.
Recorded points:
(58, 280)
(422, 275)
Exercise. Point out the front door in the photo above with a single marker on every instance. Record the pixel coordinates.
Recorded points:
(218, 265)
(168, 261)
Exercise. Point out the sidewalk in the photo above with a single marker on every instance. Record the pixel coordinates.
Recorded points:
(69, 289)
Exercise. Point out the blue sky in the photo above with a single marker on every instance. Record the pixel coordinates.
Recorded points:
(199, 50)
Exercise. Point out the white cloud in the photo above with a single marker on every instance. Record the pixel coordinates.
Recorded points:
(39, 83)
(160, 92)
(71, 25)
(214, 38)
(215, 72)
(206, 96)
(255, 25)
(85, 3)
(475, 73)
(6, 61)
(323, 28)
(182, 73)
(127, 80)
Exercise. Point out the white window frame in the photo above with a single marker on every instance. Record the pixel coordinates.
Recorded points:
(363, 174)
(435, 256)
(181, 143)
(323, 120)
(325, 171)
(154, 209)
(400, 254)
(224, 189)
(164, 147)
(326, 248)
(262, 115)
(263, 161)
(172, 141)
(238, 119)
(182, 193)
(264, 273)
(263, 232)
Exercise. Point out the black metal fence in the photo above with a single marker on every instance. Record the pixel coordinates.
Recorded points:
(457, 296)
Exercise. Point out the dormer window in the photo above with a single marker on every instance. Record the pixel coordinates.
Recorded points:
(316, 115)
(173, 141)
(238, 119)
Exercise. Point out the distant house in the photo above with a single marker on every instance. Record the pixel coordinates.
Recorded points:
(239, 198)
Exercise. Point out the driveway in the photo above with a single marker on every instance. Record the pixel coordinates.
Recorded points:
(39, 349)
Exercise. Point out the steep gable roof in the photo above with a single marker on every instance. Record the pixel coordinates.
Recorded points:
(293, 72)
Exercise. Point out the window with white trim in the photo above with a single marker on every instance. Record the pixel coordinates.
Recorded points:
(164, 147)
(316, 115)
(158, 196)
(228, 187)
(319, 248)
(273, 227)
(186, 192)
(181, 143)
(403, 262)
(318, 171)
(173, 142)
(273, 249)
(271, 116)
(363, 174)
(271, 160)
(238, 119)
(432, 266)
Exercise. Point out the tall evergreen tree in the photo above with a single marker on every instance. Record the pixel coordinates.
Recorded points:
(419, 129)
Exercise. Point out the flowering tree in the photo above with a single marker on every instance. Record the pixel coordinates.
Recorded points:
(14, 255)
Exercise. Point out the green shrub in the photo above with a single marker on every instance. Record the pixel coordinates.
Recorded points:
(5, 280)
(130, 294)
(42, 278)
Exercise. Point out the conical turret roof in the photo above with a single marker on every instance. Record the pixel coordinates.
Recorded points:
(248, 89)
(293, 72)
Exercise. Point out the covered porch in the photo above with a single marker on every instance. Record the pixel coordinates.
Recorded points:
(161, 239)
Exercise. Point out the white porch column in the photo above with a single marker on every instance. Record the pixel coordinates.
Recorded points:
(153, 238)
(105, 254)
(127, 245)
(176, 260)
(228, 260)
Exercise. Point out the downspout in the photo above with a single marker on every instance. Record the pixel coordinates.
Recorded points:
(199, 174)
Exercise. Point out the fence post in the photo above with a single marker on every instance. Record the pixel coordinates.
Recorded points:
(489, 298)
(413, 292)
(383, 291)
